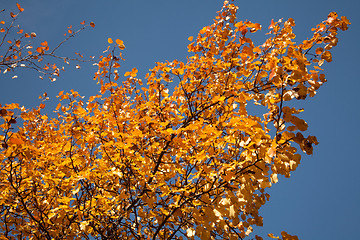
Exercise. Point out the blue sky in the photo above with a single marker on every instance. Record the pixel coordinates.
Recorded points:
(321, 199)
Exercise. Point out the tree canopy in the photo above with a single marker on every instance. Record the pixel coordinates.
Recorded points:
(146, 160)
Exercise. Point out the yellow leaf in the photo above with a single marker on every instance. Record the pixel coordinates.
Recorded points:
(272, 236)
(67, 147)
(274, 178)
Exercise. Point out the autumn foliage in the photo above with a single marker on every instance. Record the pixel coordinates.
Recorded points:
(188, 154)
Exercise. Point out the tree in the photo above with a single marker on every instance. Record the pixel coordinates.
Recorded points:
(142, 161)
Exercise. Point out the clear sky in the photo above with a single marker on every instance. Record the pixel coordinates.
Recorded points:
(322, 198)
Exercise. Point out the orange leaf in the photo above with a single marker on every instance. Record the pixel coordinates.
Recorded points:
(92, 24)
(327, 56)
(134, 72)
(287, 236)
(299, 123)
(203, 30)
(272, 236)
(110, 40)
(19, 7)
(83, 22)
(255, 27)
(190, 38)
(15, 140)
(12, 15)
(319, 50)
(244, 31)
(120, 43)
(42, 105)
(272, 74)
(272, 24)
